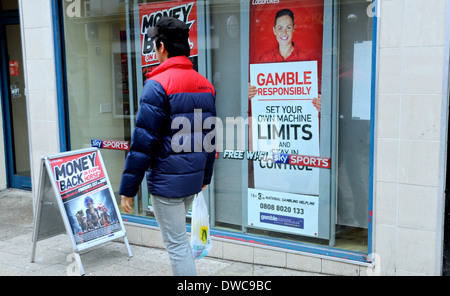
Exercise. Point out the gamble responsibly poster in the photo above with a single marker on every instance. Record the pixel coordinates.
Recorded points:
(285, 67)
(150, 13)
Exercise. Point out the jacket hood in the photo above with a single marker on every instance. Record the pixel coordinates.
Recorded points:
(179, 62)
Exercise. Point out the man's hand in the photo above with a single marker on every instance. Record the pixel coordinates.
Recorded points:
(251, 91)
(126, 203)
(317, 102)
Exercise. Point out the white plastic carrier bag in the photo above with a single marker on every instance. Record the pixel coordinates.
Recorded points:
(201, 242)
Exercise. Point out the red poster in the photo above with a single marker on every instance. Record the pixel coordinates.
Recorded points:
(307, 33)
(73, 173)
(150, 13)
(14, 68)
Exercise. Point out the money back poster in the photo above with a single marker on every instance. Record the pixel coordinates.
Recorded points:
(83, 186)
(285, 58)
(150, 13)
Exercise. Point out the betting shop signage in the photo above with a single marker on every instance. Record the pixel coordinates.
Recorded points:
(283, 193)
(88, 210)
(85, 193)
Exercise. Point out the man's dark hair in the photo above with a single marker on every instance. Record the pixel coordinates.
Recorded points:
(284, 12)
(174, 34)
(174, 48)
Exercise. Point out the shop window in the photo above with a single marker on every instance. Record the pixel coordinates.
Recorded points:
(294, 160)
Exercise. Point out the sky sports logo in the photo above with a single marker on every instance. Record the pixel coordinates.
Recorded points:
(109, 144)
(302, 160)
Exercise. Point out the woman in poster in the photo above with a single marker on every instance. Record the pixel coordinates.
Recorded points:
(285, 50)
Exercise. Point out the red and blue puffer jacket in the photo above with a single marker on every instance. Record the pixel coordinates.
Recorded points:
(172, 97)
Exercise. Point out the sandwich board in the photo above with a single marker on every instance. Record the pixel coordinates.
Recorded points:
(75, 196)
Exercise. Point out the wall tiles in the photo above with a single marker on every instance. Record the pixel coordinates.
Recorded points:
(411, 67)
(391, 25)
(386, 203)
(419, 163)
(389, 110)
(422, 70)
(387, 160)
(415, 251)
(390, 70)
(417, 207)
(420, 117)
(423, 22)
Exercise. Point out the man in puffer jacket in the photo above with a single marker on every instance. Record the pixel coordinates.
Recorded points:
(176, 113)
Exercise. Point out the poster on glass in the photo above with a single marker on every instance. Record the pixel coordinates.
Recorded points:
(150, 13)
(284, 98)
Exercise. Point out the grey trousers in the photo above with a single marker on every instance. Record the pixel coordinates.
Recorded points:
(170, 214)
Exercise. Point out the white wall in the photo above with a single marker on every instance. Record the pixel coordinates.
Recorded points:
(39, 61)
(411, 69)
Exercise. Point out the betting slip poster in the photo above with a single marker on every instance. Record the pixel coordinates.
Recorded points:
(84, 190)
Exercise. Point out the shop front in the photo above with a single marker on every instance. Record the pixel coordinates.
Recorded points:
(294, 129)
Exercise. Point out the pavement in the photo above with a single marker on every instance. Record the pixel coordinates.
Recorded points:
(54, 256)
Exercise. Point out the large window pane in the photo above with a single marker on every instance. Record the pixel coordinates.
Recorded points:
(310, 182)
(98, 79)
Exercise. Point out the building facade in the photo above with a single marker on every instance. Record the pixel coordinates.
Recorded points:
(337, 165)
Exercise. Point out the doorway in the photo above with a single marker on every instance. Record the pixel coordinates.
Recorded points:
(14, 107)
